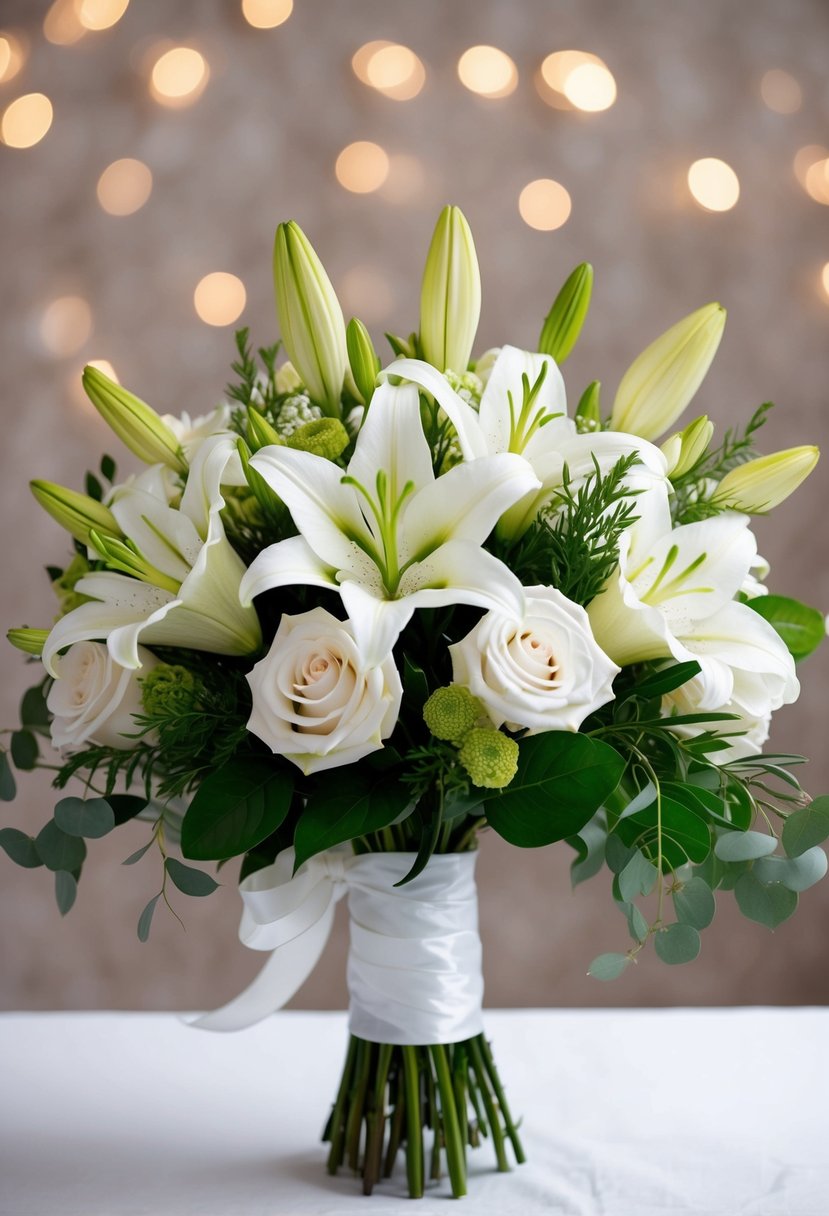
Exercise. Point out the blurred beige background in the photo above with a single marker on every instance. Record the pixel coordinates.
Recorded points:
(260, 145)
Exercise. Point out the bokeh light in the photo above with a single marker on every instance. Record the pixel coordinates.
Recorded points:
(362, 167)
(12, 55)
(179, 76)
(395, 71)
(553, 80)
(713, 184)
(266, 14)
(544, 204)
(220, 298)
(824, 280)
(781, 92)
(805, 158)
(62, 25)
(590, 87)
(366, 293)
(65, 325)
(487, 71)
(124, 186)
(100, 14)
(816, 181)
(26, 120)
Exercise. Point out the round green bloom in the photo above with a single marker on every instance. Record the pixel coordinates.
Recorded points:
(64, 587)
(326, 437)
(168, 691)
(490, 757)
(450, 712)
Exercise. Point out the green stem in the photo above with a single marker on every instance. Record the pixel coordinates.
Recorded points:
(376, 1121)
(489, 1105)
(336, 1123)
(395, 1126)
(414, 1129)
(460, 1072)
(455, 1156)
(357, 1102)
(512, 1130)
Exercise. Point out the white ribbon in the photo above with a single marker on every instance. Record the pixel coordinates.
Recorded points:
(414, 965)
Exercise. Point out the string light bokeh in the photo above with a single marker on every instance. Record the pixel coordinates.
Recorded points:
(148, 152)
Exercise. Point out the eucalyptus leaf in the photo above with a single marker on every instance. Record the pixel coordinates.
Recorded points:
(744, 846)
(638, 877)
(24, 750)
(590, 850)
(235, 808)
(768, 904)
(8, 786)
(126, 806)
(807, 826)
(66, 890)
(188, 879)
(637, 923)
(88, 817)
(58, 850)
(694, 903)
(146, 918)
(20, 848)
(802, 628)
(796, 873)
(33, 710)
(677, 943)
(608, 966)
(617, 853)
(138, 854)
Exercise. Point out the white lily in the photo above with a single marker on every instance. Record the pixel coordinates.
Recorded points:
(524, 411)
(388, 535)
(185, 574)
(191, 433)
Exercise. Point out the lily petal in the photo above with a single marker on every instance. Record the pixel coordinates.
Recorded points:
(460, 572)
(505, 379)
(288, 562)
(119, 601)
(392, 439)
(462, 416)
(377, 623)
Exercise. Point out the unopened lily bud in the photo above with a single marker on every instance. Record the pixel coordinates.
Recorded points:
(759, 485)
(685, 448)
(262, 492)
(287, 379)
(260, 431)
(562, 327)
(77, 513)
(133, 421)
(660, 382)
(363, 359)
(30, 641)
(588, 413)
(326, 437)
(310, 317)
(450, 298)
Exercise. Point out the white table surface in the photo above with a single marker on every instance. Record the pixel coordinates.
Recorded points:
(626, 1113)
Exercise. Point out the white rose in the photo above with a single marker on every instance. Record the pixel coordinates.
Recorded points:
(93, 700)
(543, 672)
(315, 699)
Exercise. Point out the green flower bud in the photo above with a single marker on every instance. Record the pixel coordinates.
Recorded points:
(686, 448)
(287, 379)
(363, 358)
(77, 513)
(132, 420)
(661, 381)
(759, 485)
(30, 641)
(262, 492)
(260, 432)
(452, 711)
(588, 413)
(169, 691)
(450, 298)
(310, 317)
(562, 327)
(326, 437)
(489, 757)
(64, 587)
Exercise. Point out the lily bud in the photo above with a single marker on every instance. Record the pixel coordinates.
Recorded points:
(683, 449)
(260, 431)
(661, 381)
(588, 415)
(759, 485)
(363, 358)
(260, 489)
(30, 641)
(77, 513)
(450, 298)
(287, 379)
(562, 327)
(310, 317)
(133, 421)
(125, 557)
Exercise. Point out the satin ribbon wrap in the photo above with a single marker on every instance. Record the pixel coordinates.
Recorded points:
(414, 964)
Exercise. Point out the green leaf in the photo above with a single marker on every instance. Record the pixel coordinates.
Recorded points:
(801, 628)
(108, 468)
(744, 846)
(807, 826)
(637, 878)
(188, 879)
(590, 850)
(694, 903)
(8, 785)
(138, 854)
(58, 850)
(562, 780)
(685, 835)
(20, 848)
(463, 802)
(66, 890)
(235, 808)
(768, 904)
(90, 817)
(796, 873)
(617, 853)
(93, 487)
(637, 923)
(126, 807)
(666, 680)
(677, 944)
(24, 750)
(608, 966)
(146, 918)
(346, 805)
(415, 684)
(33, 711)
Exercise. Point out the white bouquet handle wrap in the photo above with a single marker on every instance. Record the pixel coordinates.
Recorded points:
(414, 965)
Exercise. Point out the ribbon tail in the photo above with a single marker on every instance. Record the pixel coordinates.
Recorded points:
(283, 974)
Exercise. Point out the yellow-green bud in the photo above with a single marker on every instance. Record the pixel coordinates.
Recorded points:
(310, 317)
(661, 381)
(450, 297)
(761, 484)
(326, 437)
(169, 691)
(287, 379)
(489, 757)
(77, 513)
(685, 448)
(452, 711)
(562, 327)
(363, 358)
(262, 492)
(30, 641)
(260, 432)
(64, 587)
(133, 421)
(588, 412)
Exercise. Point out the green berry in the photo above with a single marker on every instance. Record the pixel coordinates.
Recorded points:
(490, 757)
(450, 712)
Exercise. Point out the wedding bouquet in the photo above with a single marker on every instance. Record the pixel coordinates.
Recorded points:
(358, 614)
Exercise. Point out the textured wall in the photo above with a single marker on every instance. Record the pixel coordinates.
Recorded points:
(259, 146)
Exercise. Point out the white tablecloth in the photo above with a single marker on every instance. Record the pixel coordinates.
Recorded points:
(643, 1113)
